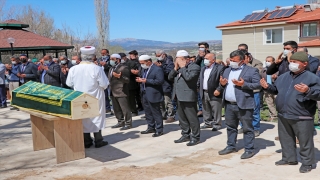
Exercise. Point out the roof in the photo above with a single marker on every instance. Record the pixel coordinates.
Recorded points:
(312, 43)
(300, 14)
(12, 23)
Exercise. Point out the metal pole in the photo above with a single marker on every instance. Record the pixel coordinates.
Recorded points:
(66, 52)
(11, 44)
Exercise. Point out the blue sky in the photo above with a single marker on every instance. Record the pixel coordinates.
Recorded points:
(163, 20)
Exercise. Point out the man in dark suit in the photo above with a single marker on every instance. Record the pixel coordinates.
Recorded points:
(313, 62)
(27, 71)
(239, 81)
(49, 72)
(152, 94)
(119, 77)
(211, 92)
(185, 76)
(65, 66)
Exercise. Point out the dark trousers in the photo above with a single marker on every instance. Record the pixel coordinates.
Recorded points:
(121, 109)
(3, 95)
(97, 138)
(132, 101)
(303, 130)
(106, 93)
(188, 119)
(153, 114)
(233, 115)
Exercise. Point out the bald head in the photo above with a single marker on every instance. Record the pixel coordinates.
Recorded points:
(302, 49)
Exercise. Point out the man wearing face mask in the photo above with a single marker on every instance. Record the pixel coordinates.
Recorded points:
(211, 92)
(50, 72)
(270, 98)
(119, 77)
(239, 81)
(281, 64)
(313, 62)
(167, 65)
(152, 95)
(185, 76)
(65, 66)
(27, 71)
(124, 58)
(297, 94)
(75, 60)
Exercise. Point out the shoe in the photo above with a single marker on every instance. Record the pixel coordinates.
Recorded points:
(240, 131)
(169, 120)
(216, 128)
(247, 155)
(182, 139)
(305, 168)
(205, 126)
(103, 143)
(227, 151)
(193, 142)
(108, 111)
(199, 114)
(256, 133)
(148, 131)
(134, 114)
(14, 108)
(125, 128)
(111, 112)
(4, 106)
(282, 162)
(276, 138)
(88, 145)
(157, 134)
(119, 125)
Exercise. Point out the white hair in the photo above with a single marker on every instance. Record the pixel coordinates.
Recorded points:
(159, 52)
(64, 57)
(87, 57)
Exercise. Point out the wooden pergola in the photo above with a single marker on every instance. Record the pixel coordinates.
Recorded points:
(26, 42)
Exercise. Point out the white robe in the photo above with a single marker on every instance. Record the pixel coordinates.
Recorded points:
(91, 79)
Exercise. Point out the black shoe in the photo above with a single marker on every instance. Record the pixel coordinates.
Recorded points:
(240, 131)
(205, 126)
(103, 143)
(256, 133)
(193, 142)
(135, 114)
(227, 151)
(125, 128)
(119, 125)
(157, 134)
(108, 111)
(216, 128)
(305, 169)
(148, 131)
(4, 106)
(182, 139)
(88, 145)
(282, 162)
(247, 155)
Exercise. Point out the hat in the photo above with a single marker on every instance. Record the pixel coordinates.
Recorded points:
(122, 55)
(134, 52)
(88, 50)
(182, 53)
(144, 57)
(116, 56)
(300, 56)
(23, 55)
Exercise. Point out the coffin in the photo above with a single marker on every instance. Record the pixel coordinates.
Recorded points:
(55, 101)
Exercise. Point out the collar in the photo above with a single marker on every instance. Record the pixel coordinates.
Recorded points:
(296, 75)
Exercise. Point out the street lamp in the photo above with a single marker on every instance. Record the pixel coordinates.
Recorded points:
(11, 41)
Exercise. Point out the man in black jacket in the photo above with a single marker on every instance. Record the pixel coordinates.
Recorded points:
(297, 94)
(211, 92)
(49, 72)
(65, 66)
(27, 71)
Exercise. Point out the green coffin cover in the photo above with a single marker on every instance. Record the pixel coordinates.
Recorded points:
(44, 98)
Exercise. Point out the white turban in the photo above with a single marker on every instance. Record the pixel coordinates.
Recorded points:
(144, 57)
(116, 56)
(182, 53)
(87, 50)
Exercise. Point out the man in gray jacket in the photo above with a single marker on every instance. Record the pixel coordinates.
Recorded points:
(185, 76)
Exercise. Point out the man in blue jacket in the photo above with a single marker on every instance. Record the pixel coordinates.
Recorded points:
(313, 62)
(13, 76)
(297, 94)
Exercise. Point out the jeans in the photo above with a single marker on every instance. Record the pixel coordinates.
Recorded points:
(199, 102)
(256, 112)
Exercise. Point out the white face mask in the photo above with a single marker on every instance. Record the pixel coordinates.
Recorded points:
(144, 66)
(74, 62)
(234, 65)
(206, 62)
(160, 58)
(46, 62)
(63, 61)
(294, 67)
(13, 62)
(285, 52)
(268, 64)
(123, 61)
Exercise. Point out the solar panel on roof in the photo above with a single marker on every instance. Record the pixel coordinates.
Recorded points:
(246, 18)
(273, 14)
(290, 12)
(254, 15)
(260, 16)
(282, 12)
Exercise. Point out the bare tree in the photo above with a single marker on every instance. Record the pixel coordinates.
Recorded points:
(102, 20)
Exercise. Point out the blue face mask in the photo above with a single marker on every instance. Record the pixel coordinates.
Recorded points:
(112, 63)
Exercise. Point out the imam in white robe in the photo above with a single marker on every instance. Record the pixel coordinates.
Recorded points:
(91, 79)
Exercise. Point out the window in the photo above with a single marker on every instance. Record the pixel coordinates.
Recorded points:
(310, 29)
(273, 36)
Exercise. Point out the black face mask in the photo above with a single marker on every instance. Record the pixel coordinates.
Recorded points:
(24, 60)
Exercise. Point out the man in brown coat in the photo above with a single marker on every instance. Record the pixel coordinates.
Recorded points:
(119, 77)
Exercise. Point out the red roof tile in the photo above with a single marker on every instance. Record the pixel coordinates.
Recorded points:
(312, 43)
(307, 16)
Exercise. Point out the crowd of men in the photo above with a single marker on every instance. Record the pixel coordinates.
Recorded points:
(188, 87)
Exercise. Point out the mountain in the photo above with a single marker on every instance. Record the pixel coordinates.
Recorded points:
(149, 45)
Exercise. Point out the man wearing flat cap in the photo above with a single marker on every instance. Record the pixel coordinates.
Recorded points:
(185, 77)
(297, 94)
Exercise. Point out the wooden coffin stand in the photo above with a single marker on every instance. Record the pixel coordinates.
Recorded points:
(65, 134)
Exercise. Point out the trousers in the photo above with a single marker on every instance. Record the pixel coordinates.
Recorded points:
(97, 138)
(188, 119)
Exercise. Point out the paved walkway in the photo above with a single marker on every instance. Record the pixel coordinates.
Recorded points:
(133, 156)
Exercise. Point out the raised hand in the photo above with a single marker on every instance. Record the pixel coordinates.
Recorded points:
(223, 81)
(116, 74)
(264, 83)
(238, 83)
(303, 88)
(216, 93)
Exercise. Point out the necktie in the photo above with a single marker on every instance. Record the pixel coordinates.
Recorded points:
(269, 79)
